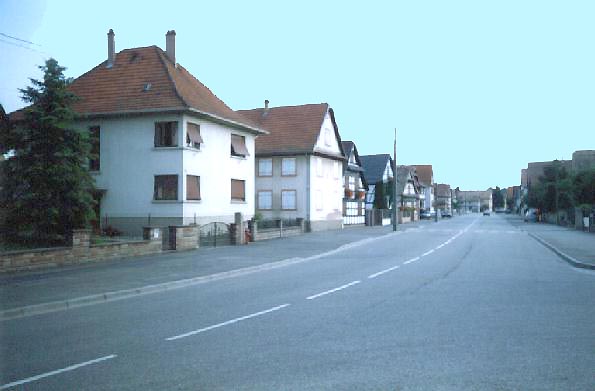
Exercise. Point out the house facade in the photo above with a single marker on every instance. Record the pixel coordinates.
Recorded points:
(408, 190)
(425, 174)
(443, 197)
(169, 151)
(354, 186)
(379, 173)
(299, 165)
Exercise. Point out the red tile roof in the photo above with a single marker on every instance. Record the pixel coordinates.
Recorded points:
(292, 129)
(144, 80)
(425, 173)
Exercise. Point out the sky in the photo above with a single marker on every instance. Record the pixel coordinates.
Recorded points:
(477, 89)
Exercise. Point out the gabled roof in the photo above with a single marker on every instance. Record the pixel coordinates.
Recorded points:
(374, 166)
(443, 190)
(146, 80)
(404, 174)
(425, 174)
(349, 149)
(292, 129)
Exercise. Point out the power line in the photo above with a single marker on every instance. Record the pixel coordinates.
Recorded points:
(23, 46)
(19, 39)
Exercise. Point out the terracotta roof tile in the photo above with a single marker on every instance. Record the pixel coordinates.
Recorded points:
(145, 79)
(425, 173)
(292, 129)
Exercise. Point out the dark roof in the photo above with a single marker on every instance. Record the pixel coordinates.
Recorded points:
(442, 190)
(347, 147)
(374, 166)
(292, 129)
(146, 80)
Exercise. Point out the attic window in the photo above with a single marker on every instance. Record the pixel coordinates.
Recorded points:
(147, 87)
(238, 146)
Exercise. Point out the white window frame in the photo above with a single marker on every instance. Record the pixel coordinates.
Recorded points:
(284, 200)
(261, 172)
(284, 170)
(259, 203)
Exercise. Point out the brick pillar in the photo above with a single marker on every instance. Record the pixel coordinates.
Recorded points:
(239, 223)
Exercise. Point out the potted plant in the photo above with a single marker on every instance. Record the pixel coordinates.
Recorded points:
(349, 193)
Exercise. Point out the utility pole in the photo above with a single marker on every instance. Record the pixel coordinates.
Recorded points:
(395, 222)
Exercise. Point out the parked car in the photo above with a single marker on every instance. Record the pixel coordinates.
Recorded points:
(445, 213)
(531, 216)
(486, 212)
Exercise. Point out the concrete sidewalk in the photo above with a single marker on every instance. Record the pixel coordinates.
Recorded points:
(575, 247)
(83, 284)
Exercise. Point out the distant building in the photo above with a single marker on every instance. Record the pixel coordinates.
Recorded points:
(474, 201)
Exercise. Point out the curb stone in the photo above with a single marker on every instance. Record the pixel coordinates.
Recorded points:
(572, 261)
(83, 301)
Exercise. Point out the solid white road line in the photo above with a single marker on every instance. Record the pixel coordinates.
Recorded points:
(332, 290)
(390, 269)
(69, 368)
(427, 252)
(411, 260)
(227, 322)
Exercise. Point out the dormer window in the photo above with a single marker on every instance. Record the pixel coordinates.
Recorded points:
(166, 134)
(238, 146)
(193, 137)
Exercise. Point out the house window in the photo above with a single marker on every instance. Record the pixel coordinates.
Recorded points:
(352, 183)
(319, 171)
(265, 167)
(288, 199)
(265, 200)
(95, 138)
(192, 187)
(238, 146)
(238, 190)
(165, 134)
(288, 166)
(327, 137)
(166, 187)
(193, 138)
(318, 199)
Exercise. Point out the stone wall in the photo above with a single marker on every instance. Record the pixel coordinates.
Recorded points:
(186, 237)
(81, 252)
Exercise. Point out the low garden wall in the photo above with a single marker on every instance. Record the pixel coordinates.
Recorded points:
(81, 252)
(280, 231)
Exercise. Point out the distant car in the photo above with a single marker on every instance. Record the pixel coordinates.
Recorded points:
(445, 213)
(426, 214)
(486, 212)
(531, 216)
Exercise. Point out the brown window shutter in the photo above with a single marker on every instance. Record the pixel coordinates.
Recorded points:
(238, 145)
(194, 133)
(238, 190)
(192, 187)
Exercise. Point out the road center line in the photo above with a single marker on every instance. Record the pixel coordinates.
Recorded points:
(411, 260)
(390, 269)
(69, 368)
(227, 322)
(332, 290)
(427, 252)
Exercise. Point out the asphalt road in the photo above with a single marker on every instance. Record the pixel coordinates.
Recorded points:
(467, 304)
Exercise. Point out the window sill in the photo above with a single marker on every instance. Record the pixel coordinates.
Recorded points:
(193, 201)
(239, 157)
(238, 202)
(288, 210)
(176, 148)
(189, 148)
(166, 202)
(94, 172)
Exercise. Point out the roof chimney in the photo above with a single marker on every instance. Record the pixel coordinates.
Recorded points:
(266, 104)
(111, 48)
(170, 45)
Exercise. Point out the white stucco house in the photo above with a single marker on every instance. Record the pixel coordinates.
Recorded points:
(425, 174)
(299, 164)
(169, 151)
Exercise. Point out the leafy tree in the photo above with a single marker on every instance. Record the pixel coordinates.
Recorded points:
(47, 188)
(583, 185)
(497, 198)
(554, 191)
